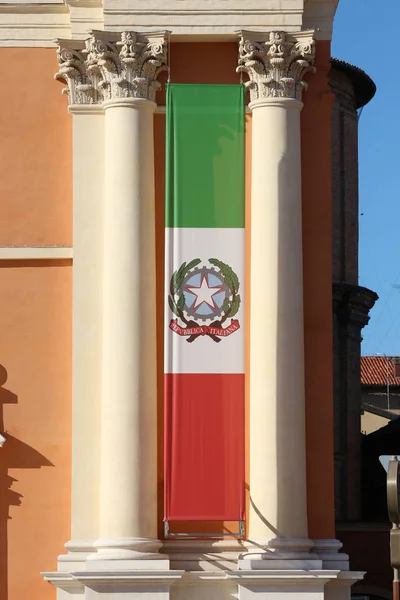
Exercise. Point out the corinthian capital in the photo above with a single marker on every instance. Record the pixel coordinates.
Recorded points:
(111, 65)
(126, 65)
(73, 71)
(276, 63)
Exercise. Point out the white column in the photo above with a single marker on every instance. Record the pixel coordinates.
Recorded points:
(278, 501)
(114, 508)
(88, 167)
(277, 414)
(125, 67)
(128, 491)
(88, 144)
(114, 76)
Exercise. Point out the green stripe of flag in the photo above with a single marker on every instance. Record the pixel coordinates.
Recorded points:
(205, 156)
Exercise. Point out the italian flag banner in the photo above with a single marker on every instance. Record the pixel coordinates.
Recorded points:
(204, 303)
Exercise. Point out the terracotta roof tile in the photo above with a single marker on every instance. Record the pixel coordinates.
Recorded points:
(376, 369)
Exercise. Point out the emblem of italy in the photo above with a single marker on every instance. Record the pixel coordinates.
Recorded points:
(204, 298)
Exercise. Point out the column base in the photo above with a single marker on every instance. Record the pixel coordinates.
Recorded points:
(128, 566)
(291, 584)
(328, 551)
(339, 588)
(75, 559)
(293, 567)
(128, 553)
(280, 553)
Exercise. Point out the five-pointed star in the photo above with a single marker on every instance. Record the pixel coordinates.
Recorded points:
(204, 293)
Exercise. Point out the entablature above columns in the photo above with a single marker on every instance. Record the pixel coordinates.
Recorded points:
(319, 15)
(188, 19)
(36, 23)
(109, 65)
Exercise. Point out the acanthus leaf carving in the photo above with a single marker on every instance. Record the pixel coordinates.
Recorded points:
(276, 65)
(73, 71)
(111, 65)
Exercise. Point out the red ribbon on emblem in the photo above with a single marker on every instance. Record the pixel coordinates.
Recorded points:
(205, 329)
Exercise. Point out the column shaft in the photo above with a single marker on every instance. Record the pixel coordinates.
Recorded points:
(277, 411)
(88, 154)
(128, 495)
(114, 506)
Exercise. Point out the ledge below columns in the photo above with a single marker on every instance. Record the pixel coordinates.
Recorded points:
(114, 585)
(340, 588)
(275, 584)
(214, 570)
(263, 584)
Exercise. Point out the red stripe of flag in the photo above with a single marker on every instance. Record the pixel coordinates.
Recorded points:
(204, 432)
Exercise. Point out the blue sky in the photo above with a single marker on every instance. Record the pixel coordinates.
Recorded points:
(367, 36)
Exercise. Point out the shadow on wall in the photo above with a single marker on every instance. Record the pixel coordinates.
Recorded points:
(15, 454)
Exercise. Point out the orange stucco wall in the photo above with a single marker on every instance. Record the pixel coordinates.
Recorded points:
(35, 151)
(35, 318)
(35, 392)
(317, 251)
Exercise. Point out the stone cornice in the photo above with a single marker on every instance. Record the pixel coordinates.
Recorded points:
(84, 3)
(204, 19)
(35, 23)
(109, 65)
(276, 63)
(352, 303)
(364, 89)
(36, 252)
(319, 15)
(25, 8)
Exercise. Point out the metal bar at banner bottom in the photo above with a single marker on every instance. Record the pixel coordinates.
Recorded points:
(240, 535)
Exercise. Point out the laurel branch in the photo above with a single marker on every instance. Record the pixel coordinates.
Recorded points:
(176, 298)
(177, 279)
(229, 307)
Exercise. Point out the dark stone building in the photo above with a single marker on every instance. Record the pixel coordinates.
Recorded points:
(351, 303)
(365, 535)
